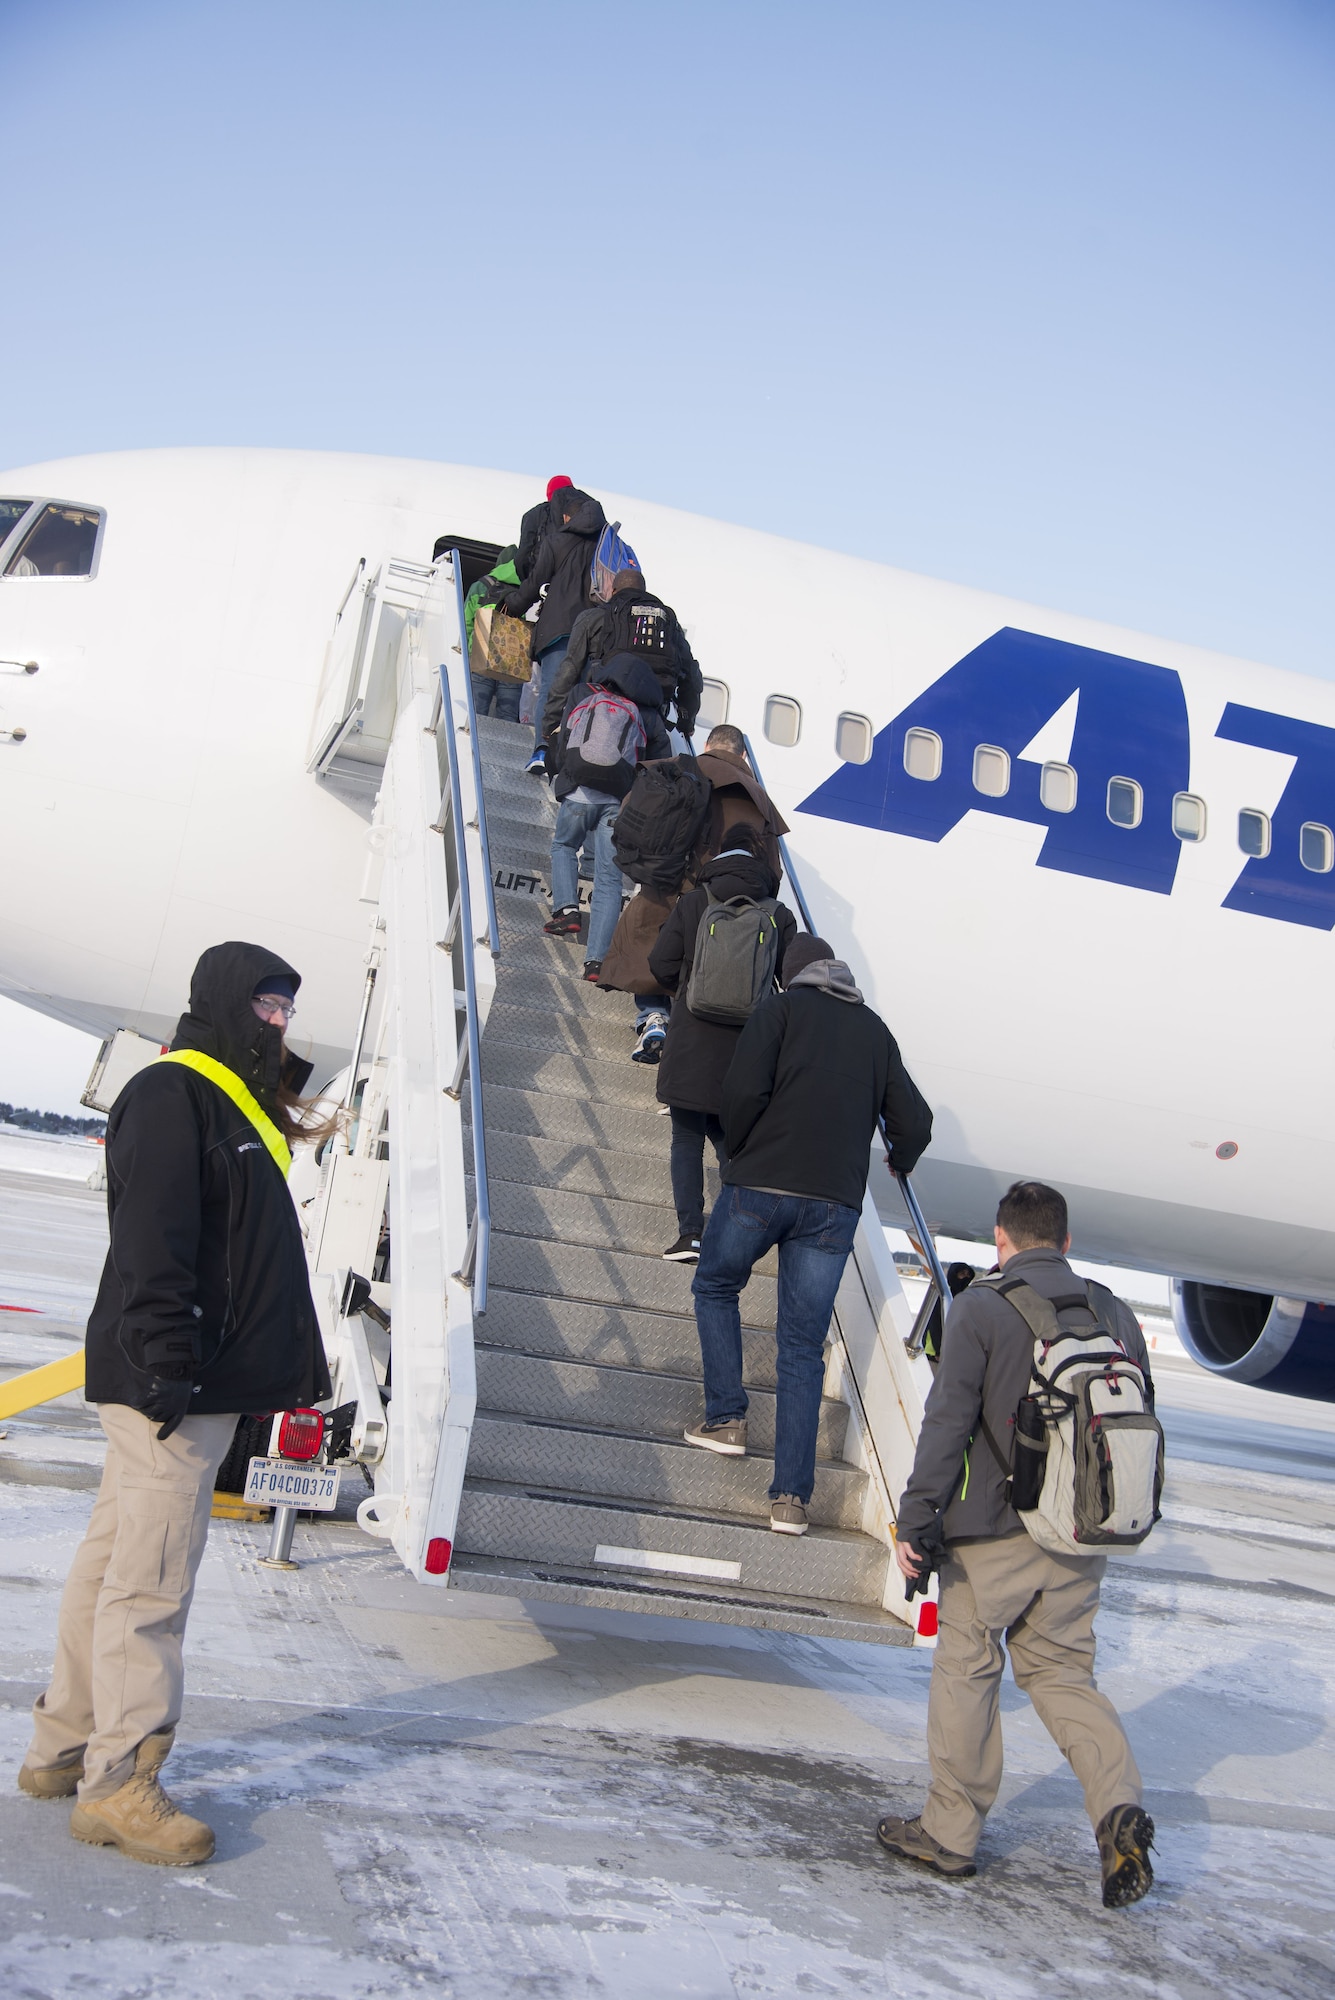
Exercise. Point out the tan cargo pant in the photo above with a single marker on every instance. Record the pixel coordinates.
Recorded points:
(118, 1674)
(1045, 1606)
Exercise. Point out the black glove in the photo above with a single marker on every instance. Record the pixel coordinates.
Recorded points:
(166, 1403)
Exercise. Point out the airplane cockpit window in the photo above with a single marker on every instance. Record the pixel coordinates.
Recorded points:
(1057, 787)
(11, 513)
(853, 739)
(1188, 816)
(991, 771)
(1254, 833)
(1316, 847)
(922, 754)
(783, 720)
(713, 704)
(1126, 802)
(62, 541)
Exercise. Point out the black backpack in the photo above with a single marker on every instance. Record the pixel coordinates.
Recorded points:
(637, 623)
(661, 823)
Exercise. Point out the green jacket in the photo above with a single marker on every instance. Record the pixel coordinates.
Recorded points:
(479, 595)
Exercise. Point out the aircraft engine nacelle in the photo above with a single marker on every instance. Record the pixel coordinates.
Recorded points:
(1255, 1337)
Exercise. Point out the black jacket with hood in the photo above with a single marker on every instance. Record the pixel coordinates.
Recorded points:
(815, 1069)
(206, 1273)
(697, 1053)
(679, 676)
(563, 564)
(537, 523)
(639, 684)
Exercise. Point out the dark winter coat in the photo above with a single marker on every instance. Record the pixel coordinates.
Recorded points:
(815, 1069)
(534, 526)
(639, 684)
(984, 1369)
(206, 1273)
(679, 678)
(738, 797)
(563, 564)
(697, 1053)
(626, 965)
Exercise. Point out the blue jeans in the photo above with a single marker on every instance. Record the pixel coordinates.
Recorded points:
(508, 695)
(574, 825)
(814, 1239)
(686, 1163)
(651, 1003)
(550, 664)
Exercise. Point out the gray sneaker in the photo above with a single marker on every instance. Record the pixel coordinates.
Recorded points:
(788, 1515)
(910, 1838)
(727, 1437)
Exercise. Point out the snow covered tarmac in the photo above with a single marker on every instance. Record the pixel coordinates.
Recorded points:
(422, 1792)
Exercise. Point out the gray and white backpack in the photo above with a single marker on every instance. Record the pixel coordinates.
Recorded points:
(1087, 1465)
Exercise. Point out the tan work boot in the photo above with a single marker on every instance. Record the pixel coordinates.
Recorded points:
(50, 1781)
(141, 1820)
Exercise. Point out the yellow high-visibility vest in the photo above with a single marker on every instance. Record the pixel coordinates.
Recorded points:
(231, 1086)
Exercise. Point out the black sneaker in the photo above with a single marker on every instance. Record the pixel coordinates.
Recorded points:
(686, 1250)
(1125, 1837)
(593, 968)
(563, 922)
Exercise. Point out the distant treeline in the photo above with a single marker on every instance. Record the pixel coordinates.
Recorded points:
(52, 1121)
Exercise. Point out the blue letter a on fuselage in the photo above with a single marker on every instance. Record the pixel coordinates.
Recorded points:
(1131, 722)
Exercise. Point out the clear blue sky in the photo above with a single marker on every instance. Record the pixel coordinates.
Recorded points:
(1036, 295)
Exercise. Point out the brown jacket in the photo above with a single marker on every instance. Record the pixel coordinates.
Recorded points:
(626, 966)
(739, 797)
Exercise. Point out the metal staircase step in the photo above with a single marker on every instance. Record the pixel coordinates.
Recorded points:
(606, 1033)
(668, 1597)
(620, 1128)
(583, 1078)
(627, 1400)
(532, 982)
(584, 1167)
(611, 1277)
(531, 1523)
(591, 1461)
(623, 1337)
(553, 1215)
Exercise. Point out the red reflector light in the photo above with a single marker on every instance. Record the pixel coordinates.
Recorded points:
(927, 1619)
(438, 1553)
(301, 1433)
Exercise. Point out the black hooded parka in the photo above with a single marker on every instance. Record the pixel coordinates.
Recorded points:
(562, 567)
(206, 1273)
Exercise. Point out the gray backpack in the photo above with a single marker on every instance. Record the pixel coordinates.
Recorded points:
(1087, 1463)
(736, 952)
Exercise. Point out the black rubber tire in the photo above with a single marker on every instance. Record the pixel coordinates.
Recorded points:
(250, 1441)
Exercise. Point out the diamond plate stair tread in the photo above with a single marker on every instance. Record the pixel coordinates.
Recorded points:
(553, 1215)
(581, 1077)
(581, 1167)
(573, 1330)
(611, 1277)
(620, 1128)
(535, 984)
(593, 1394)
(529, 1524)
(588, 1460)
(607, 1035)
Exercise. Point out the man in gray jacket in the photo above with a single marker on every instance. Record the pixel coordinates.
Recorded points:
(997, 1583)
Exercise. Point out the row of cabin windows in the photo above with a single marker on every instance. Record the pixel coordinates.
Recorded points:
(853, 734)
(1125, 802)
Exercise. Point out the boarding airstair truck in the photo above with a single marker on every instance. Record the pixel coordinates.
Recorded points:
(514, 1363)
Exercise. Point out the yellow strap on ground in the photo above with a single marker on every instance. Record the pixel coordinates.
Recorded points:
(231, 1086)
(41, 1385)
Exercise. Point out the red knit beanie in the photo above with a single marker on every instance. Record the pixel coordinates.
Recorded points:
(555, 484)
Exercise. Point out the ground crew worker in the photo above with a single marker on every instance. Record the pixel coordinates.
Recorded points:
(998, 1583)
(204, 1310)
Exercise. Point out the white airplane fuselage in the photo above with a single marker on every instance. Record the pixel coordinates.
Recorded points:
(1138, 1018)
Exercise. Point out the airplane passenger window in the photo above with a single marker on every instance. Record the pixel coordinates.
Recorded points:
(1057, 788)
(852, 739)
(1126, 802)
(783, 720)
(11, 513)
(1188, 816)
(991, 771)
(922, 754)
(713, 704)
(1254, 833)
(1316, 847)
(62, 541)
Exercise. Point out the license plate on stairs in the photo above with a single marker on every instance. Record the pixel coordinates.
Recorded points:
(277, 1482)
